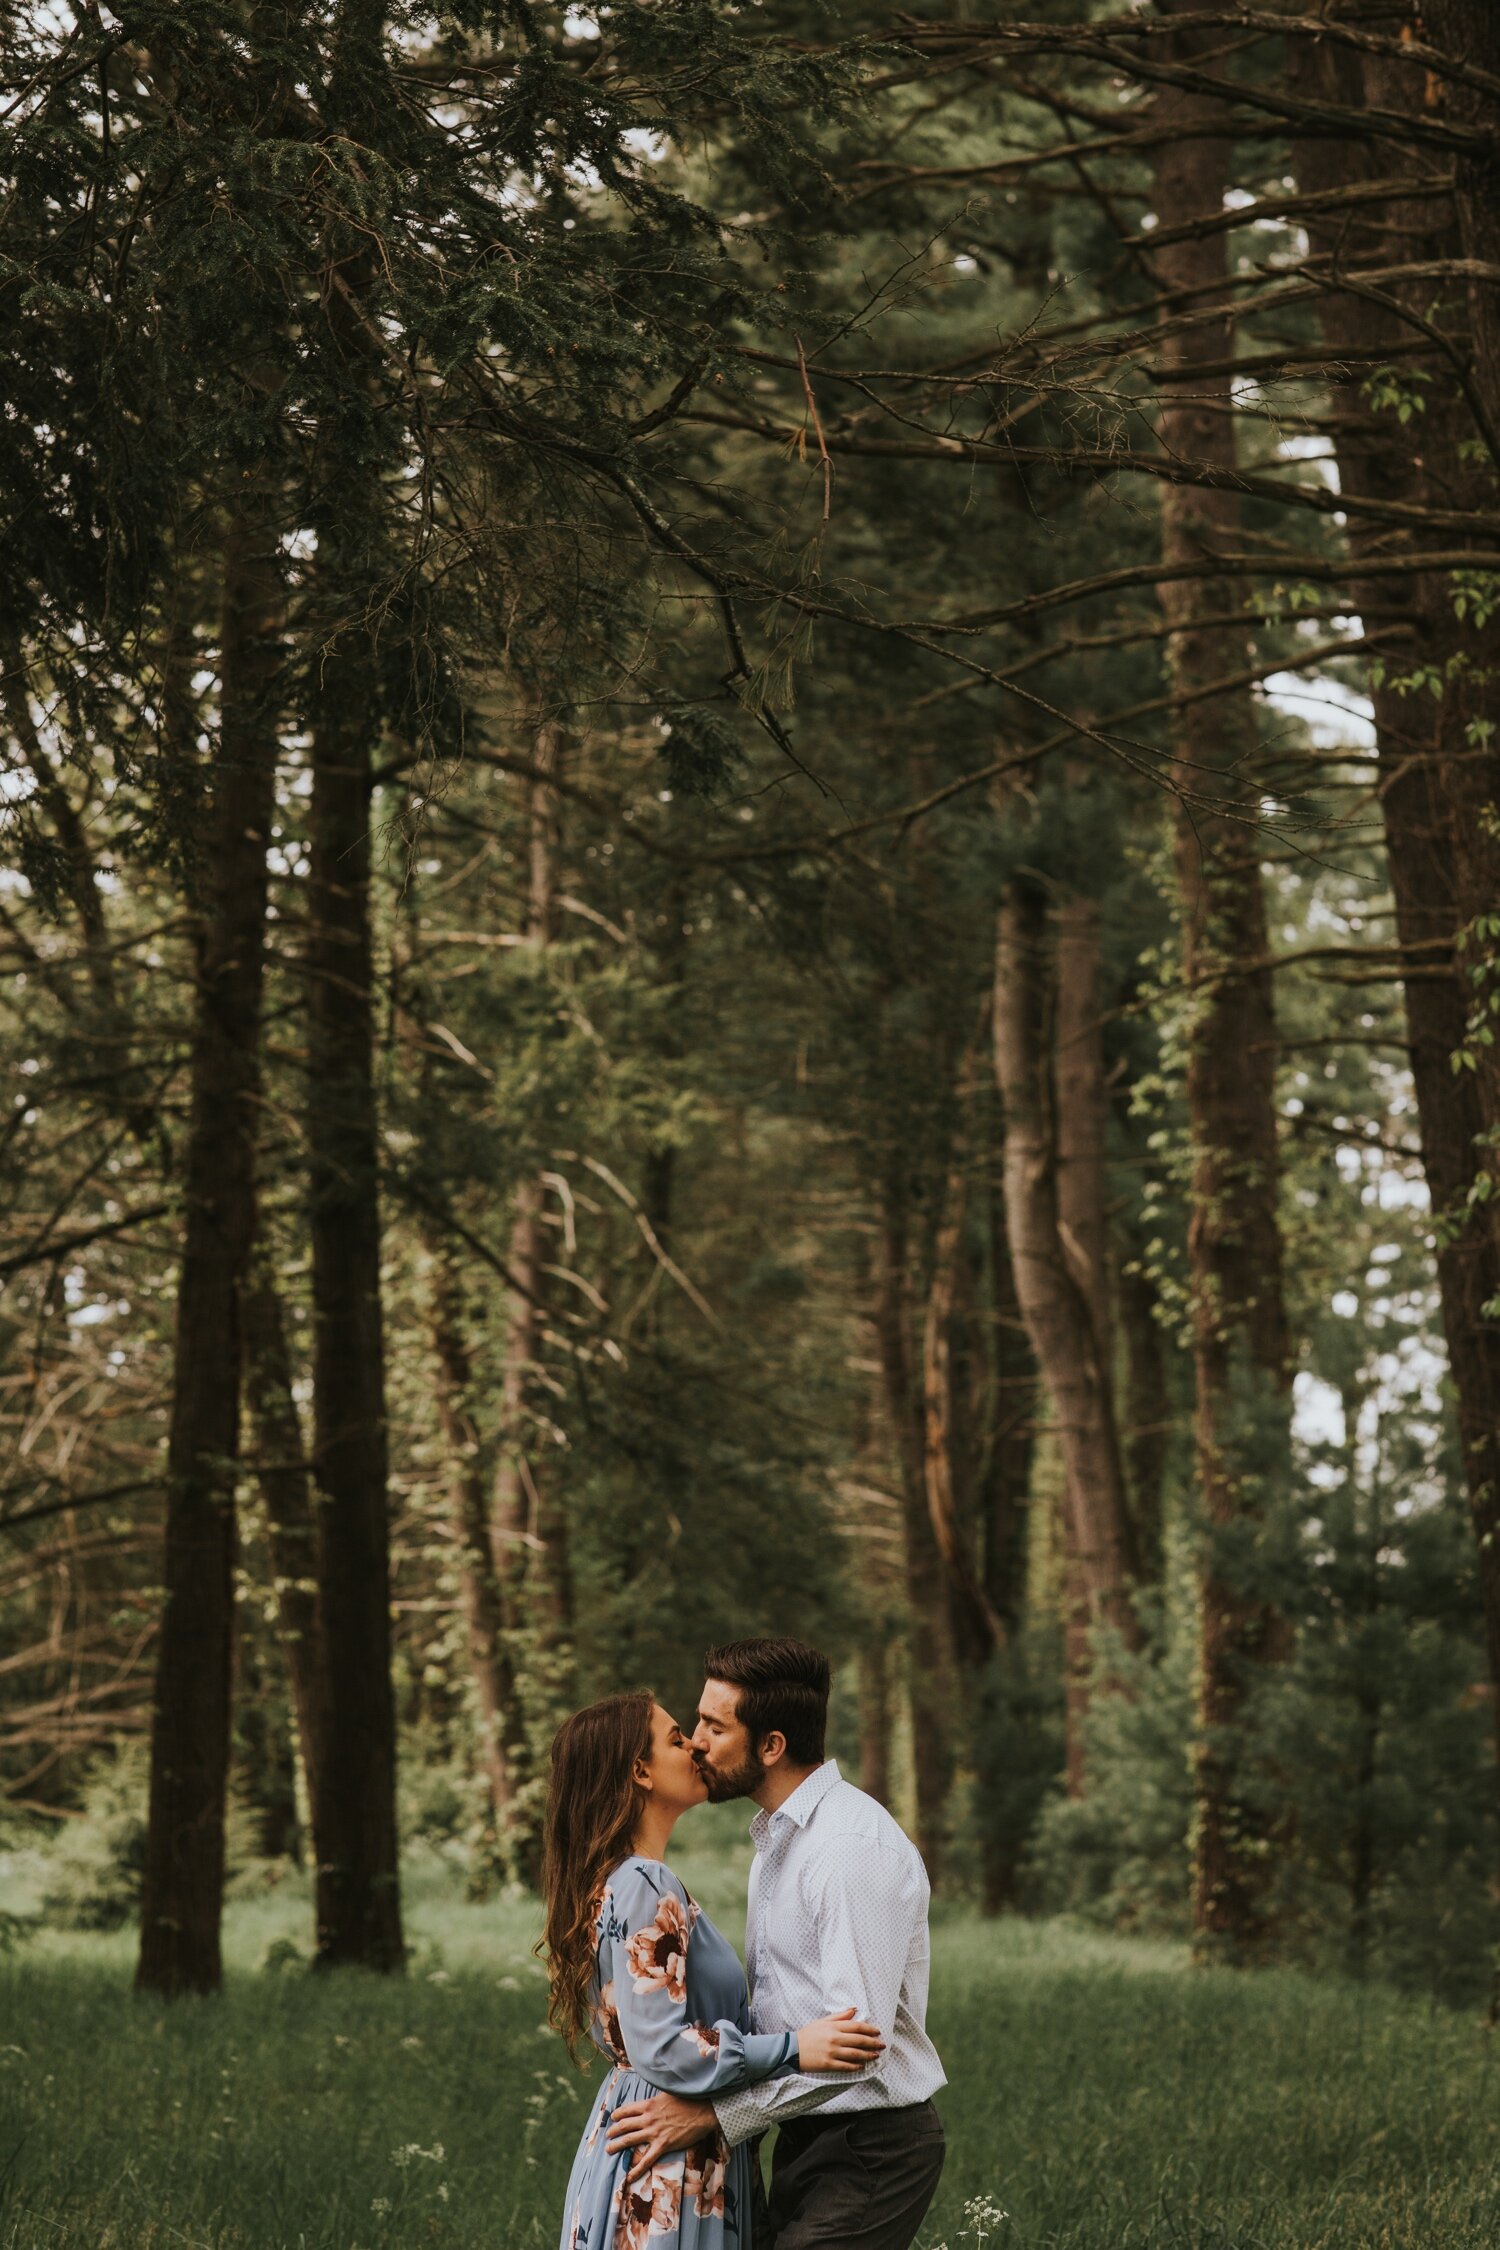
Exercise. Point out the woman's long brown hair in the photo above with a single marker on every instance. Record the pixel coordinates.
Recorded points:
(593, 1808)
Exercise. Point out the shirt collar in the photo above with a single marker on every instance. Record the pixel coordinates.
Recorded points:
(801, 1804)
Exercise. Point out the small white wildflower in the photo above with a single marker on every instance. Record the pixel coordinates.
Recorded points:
(438, 1976)
(380, 2204)
(411, 2042)
(510, 1984)
(442, 2191)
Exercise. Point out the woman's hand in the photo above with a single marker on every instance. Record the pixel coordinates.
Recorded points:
(838, 2043)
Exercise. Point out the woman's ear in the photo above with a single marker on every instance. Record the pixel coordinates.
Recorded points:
(641, 1775)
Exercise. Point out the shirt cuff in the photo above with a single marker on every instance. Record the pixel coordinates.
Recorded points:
(776, 2052)
(739, 2116)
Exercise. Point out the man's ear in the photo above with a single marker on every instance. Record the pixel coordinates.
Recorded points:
(772, 1749)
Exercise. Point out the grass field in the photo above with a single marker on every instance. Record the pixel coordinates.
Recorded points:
(1104, 2095)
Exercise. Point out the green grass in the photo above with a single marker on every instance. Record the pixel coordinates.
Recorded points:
(1103, 2093)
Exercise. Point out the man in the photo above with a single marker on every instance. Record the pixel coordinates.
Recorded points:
(837, 1918)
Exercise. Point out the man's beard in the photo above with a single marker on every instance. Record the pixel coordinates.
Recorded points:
(726, 1782)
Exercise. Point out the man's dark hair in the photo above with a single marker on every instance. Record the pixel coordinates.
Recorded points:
(783, 1689)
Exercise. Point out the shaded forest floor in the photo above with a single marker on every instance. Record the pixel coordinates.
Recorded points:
(1102, 2093)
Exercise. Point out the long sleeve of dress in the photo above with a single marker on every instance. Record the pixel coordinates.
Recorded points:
(863, 1903)
(646, 1933)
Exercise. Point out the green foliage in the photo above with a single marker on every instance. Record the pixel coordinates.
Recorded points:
(700, 755)
(1017, 1749)
(1377, 1735)
(93, 1877)
(1118, 1855)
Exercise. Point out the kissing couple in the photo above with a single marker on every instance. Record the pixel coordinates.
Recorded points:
(828, 2041)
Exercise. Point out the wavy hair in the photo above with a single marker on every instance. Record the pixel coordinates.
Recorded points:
(594, 1806)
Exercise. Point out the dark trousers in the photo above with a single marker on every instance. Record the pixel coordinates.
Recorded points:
(859, 2180)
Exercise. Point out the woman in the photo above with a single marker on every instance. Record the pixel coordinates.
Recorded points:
(635, 1963)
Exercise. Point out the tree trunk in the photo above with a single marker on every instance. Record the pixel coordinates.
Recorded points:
(291, 1537)
(528, 1529)
(1048, 1276)
(867, 1531)
(1083, 1115)
(479, 1596)
(875, 1718)
(182, 1890)
(1469, 32)
(1147, 1414)
(358, 1901)
(977, 1628)
(1009, 1418)
(1082, 1099)
(1240, 1349)
(928, 1662)
(1435, 784)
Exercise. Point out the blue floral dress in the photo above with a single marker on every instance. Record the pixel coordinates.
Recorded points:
(671, 2014)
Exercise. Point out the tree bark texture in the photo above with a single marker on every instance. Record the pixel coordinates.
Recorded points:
(1082, 1112)
(291, 1537)
(1060, 1322)
(976, 1626)
(1436, 785)
(183, 1880)
(1008, 1413)
(528, 1528)
(928, 1653)
(1469, 31)
(1240, 1345)
(479, 1595)
(868, 1527)
(358, 1902)
(875, 1717)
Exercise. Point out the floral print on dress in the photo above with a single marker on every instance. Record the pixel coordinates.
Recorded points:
(658, 1954)
(704, 2174)
(669, 2011)
(649, 2206)
(606, 2025)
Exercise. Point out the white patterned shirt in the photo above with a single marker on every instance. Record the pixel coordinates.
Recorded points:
(837, 1918)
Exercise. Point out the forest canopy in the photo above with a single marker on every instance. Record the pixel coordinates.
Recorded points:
(751, 863)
